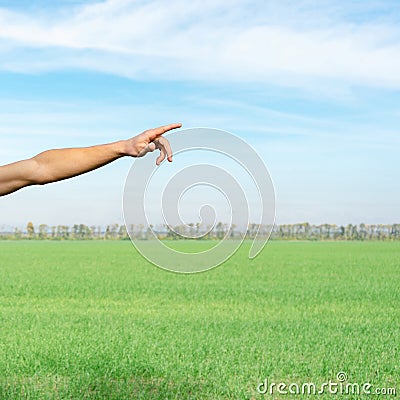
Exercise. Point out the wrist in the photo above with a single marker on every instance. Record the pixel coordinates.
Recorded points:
(121, 148)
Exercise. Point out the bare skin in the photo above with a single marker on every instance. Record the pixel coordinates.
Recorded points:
(56, 165)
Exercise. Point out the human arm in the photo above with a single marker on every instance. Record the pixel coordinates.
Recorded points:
(55, 165)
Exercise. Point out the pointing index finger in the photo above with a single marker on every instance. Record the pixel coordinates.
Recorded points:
(157, 132)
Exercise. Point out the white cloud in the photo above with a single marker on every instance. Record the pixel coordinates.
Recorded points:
(206, 40)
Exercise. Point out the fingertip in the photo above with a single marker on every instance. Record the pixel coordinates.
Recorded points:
(174, 126)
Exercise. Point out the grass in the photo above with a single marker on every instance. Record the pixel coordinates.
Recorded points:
(94, 320)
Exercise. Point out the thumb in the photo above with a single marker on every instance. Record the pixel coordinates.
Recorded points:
(148, 149)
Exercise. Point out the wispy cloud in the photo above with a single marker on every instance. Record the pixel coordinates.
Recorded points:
(209, 40)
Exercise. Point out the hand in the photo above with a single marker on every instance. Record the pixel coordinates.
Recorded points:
(150, 140)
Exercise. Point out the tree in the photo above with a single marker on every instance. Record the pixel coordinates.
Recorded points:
(31, 230)
(43, 231)
(220, 230)
(122, 233)
(17, 233)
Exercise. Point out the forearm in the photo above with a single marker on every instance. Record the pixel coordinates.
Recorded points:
(55, 165)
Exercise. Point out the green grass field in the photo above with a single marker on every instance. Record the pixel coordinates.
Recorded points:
(94, 320)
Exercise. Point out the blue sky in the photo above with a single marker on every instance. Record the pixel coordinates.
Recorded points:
(313, 86)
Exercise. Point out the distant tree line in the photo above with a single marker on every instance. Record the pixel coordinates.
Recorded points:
(300, 231)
